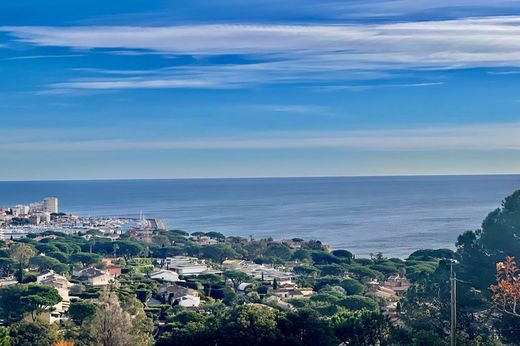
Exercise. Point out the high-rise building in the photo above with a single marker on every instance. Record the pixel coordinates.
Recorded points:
(50, 204)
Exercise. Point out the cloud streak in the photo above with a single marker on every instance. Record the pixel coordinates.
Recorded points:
(470, 138)
(287, 53)
(434, 44)
(375, 86)
(33, 57)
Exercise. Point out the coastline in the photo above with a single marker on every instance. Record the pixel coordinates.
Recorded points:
(395, 215)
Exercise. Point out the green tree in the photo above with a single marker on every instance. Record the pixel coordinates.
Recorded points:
(216, 235)
(209, 280)
(427, 304)
(219, 252)
(352, 286)
(326, 297)
(429, 254)
(91, 243)
(347, 255)
(332, 269)
(18, 300)
(39, 298)
(45, 247)
(81, 311)
(386, 267)
(320, 257)
(367, 273)
(67, 247)
(249, 325)
(198, 234)
(142, 326)
(32, 333)
(479, 251)
(5, 339)
(307, 271)
(305, 327)
(427, 338)
(21, 253)
(236, 277)
(302, 255)
(111, 325)
(86, 258)
(7, 266)
(358, 303)
(130, 248)
(191, 328)
(363, 328)
(115, 247)
(278, 250)
(60, 256)
(44, 263)
(11, 309)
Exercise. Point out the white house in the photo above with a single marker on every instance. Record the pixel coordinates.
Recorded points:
(62, 285)
(8, 281)
(93, 276)
(189, 268)
(241, 289)
(189, 301)
(175, 294)
(168, 261)
(101, 279)
(165, 275)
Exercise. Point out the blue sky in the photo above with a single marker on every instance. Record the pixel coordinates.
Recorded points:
(242, 88)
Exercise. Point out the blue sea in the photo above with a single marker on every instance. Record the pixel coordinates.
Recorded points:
(394, 215)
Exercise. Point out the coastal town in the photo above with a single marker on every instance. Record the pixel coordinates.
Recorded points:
(159, 286)
(37, 217)
(171, 270)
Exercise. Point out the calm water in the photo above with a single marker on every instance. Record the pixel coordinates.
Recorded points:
(395, 215)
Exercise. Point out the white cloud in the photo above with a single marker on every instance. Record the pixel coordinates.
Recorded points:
(134, 84)
(471, 138)
(375, 86)
(287, 53)
(292, 108)
(390, 8)
(491, 41)
(32, 57)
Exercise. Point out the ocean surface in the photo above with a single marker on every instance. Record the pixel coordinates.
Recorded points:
(394, 215)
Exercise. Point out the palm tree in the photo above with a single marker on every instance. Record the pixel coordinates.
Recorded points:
(210, 280)
(115, 247)
(91, 243)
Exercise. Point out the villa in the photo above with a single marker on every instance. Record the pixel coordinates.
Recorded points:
(259, 271)
(93, 276)
(164, 275)
(62, 285)
(178, 295)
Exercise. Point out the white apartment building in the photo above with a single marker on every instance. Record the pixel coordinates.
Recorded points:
(50, 204)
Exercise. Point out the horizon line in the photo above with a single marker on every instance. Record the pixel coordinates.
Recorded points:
(270, 177)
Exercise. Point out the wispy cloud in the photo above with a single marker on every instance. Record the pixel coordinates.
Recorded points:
(455, 43)
(135, 84)
(32, 57)
(228, 76)
(396, 8)
(374, 86)
(505, 73)
(293, 108)
(469, 138)
(288, 53)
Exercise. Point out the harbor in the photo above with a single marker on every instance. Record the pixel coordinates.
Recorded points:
(39, 217)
